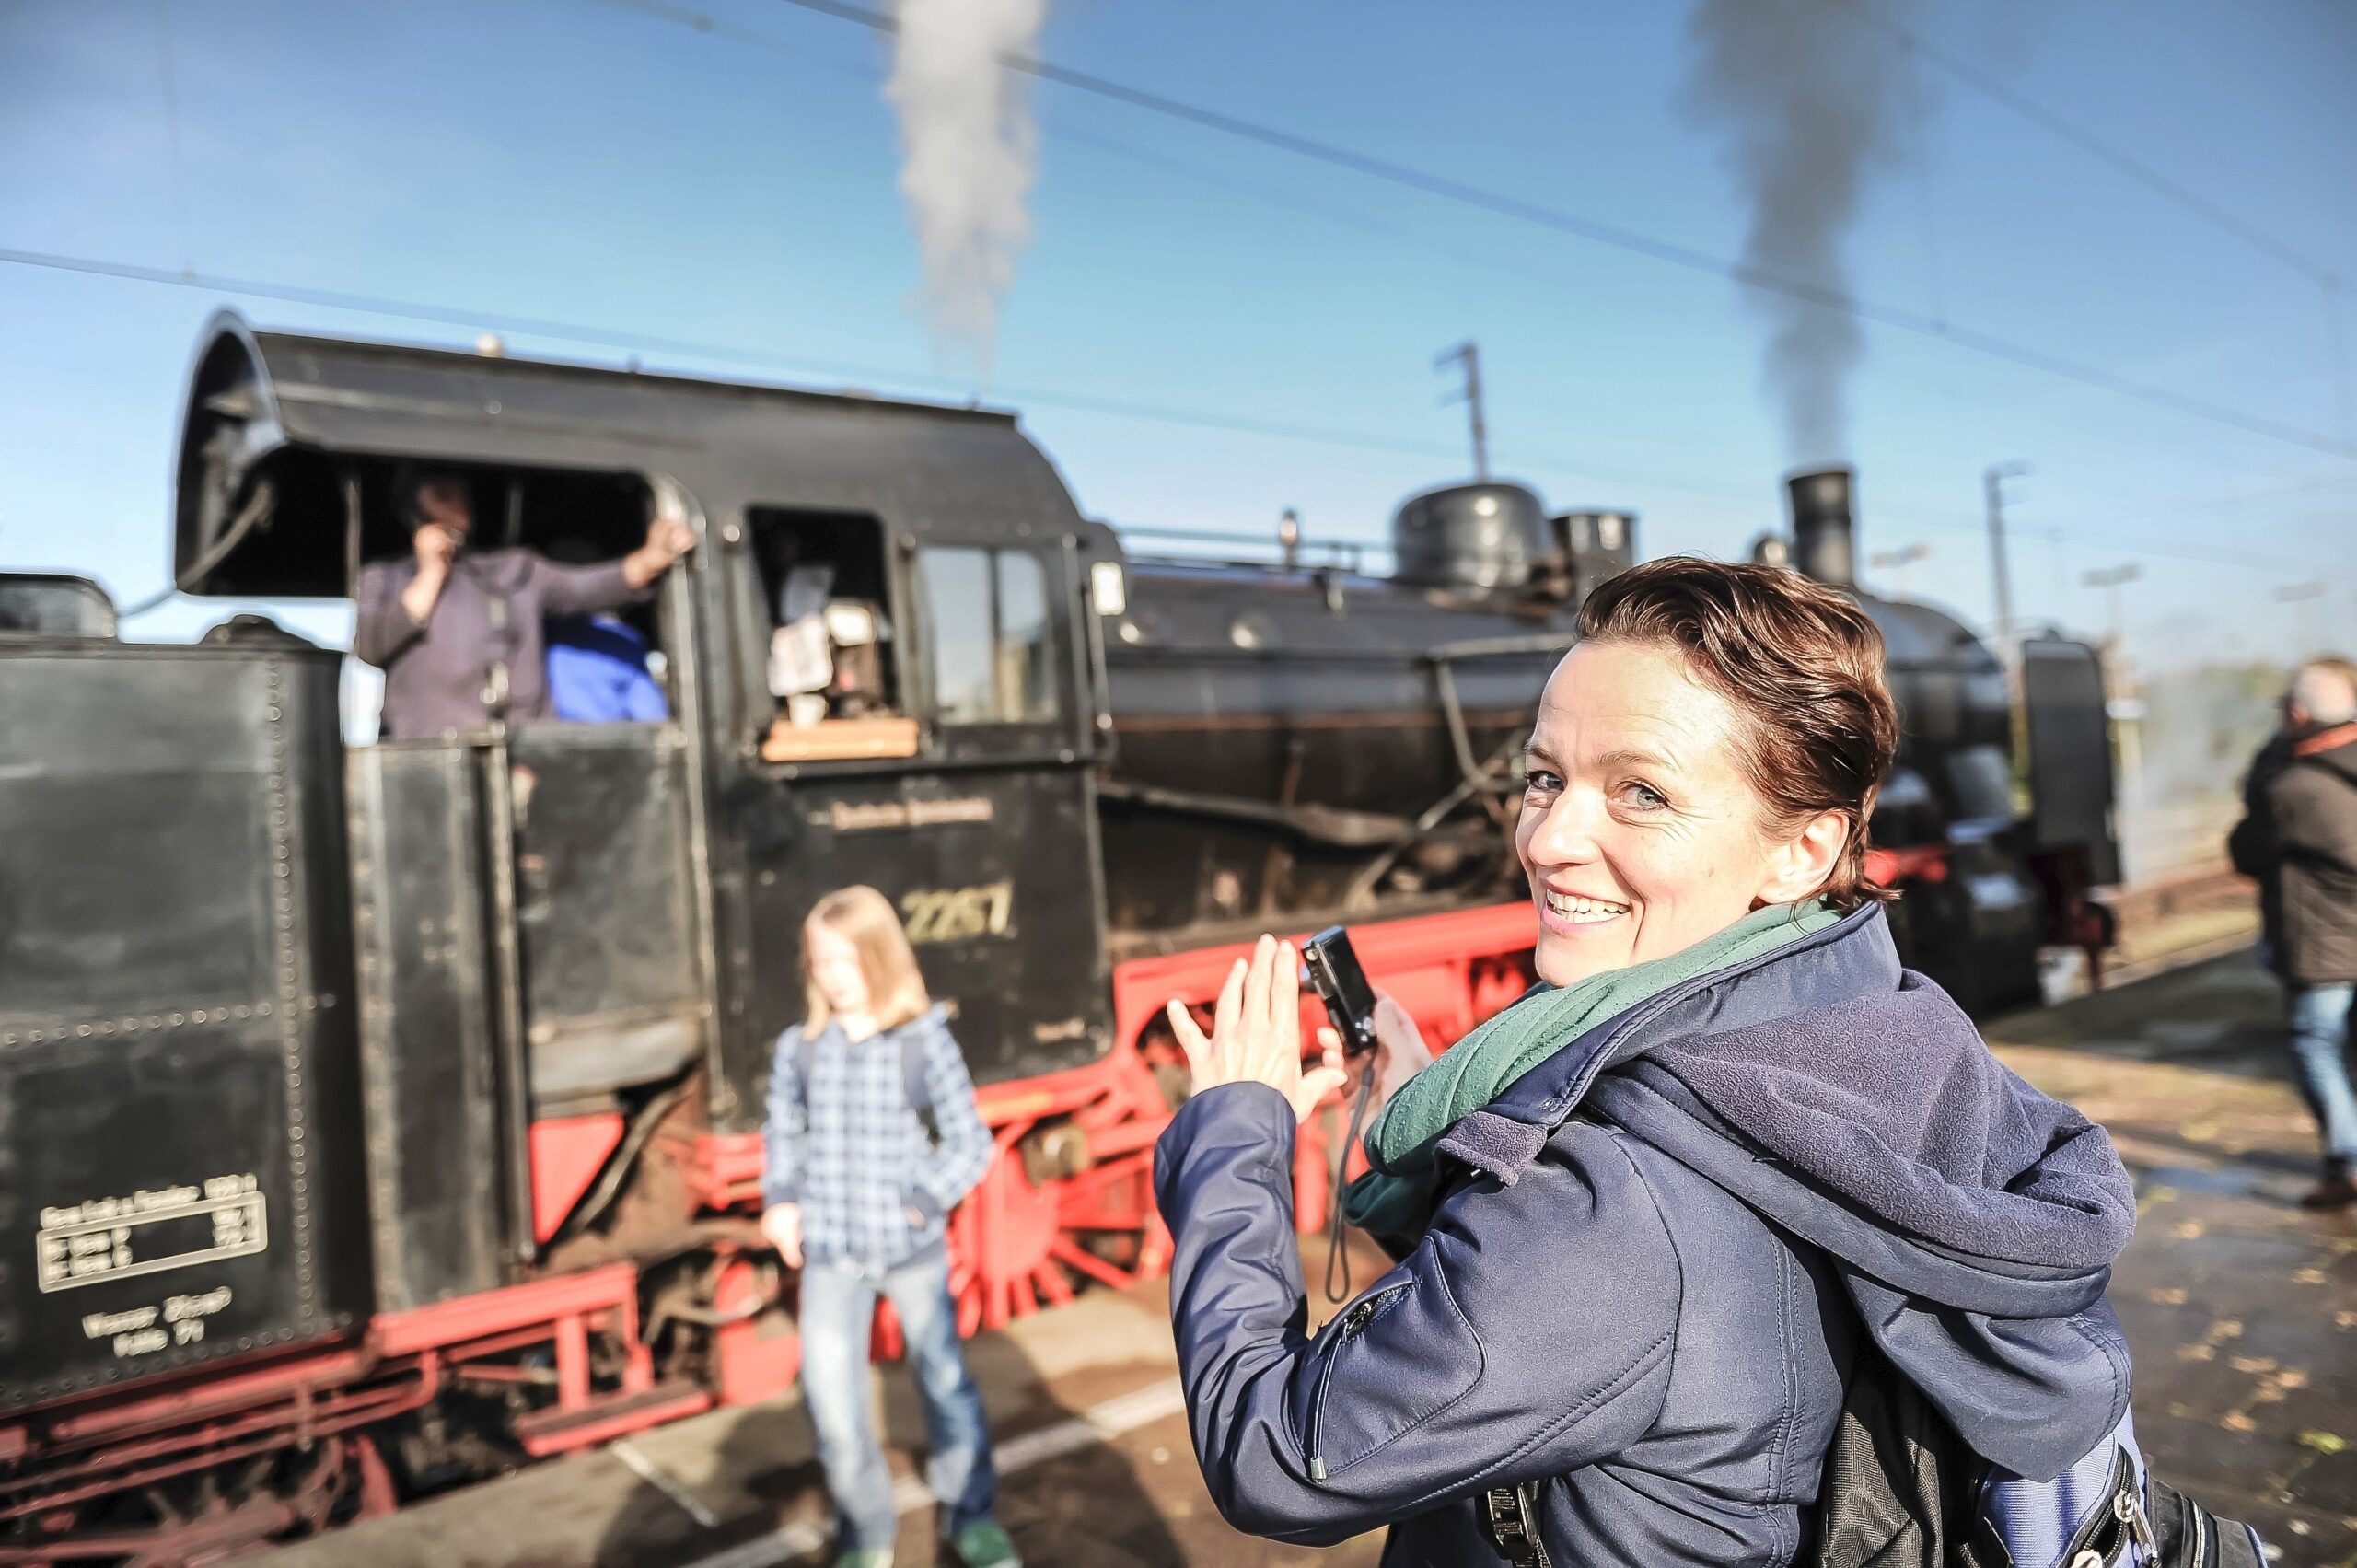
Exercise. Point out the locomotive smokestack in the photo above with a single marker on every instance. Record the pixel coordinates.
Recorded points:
(1823, 542)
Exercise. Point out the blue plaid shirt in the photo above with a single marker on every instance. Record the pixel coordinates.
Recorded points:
(850, 1149)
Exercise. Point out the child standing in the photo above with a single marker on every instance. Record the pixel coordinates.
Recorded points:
(857, 1188)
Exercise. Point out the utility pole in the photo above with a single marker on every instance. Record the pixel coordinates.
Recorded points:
(1896, 563)
(1470, 353)
(2300, 596)
(1992, 490)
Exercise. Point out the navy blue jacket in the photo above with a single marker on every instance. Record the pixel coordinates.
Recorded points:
(1643, 1289)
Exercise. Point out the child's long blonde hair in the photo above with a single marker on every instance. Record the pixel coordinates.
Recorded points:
(896, 990)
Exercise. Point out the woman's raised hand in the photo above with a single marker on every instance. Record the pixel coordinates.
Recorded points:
(1256, 1032)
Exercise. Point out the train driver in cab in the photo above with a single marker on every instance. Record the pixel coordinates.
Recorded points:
(458, 632)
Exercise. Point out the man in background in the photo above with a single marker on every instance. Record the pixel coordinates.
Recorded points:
(2250, 847)
(2300, 841)
(458, 633)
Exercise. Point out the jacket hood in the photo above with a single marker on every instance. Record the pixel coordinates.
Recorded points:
(1850, 1102)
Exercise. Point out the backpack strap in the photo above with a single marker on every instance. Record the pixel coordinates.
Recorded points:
(913, 1082)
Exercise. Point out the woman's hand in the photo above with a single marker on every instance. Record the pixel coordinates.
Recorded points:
(1256, 1032)
(1399, 1055)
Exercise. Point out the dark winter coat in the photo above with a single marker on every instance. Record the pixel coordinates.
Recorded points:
(1644, 1292)
(2251, 848)
(2313, 803)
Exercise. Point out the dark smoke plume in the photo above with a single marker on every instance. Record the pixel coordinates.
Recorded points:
(1806, 97)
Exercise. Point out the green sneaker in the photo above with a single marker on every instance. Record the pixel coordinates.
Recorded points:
(985, 1545)
(865, 1556)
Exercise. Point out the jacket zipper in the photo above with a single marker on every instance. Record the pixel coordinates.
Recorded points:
(1353, 1321)
(2107, 1539)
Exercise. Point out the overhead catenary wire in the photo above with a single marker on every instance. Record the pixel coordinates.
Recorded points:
(634, 343)
(2124, 162)
(1458, 250)
(2332, 289)
(1468, 193)
(704, 22)
(1113, 407)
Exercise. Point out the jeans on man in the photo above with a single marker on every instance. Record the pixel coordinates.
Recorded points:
(838, 1307)
(2319, 1016)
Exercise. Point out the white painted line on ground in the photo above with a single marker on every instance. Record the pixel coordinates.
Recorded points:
(664, 1482)
(1098, 1424)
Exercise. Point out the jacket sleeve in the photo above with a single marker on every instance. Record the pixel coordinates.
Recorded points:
(382, 627)
(788, 1128)
(582, 590)
(2250, 847)
(1527, 1334)
(2316, 818)
(949, 1169)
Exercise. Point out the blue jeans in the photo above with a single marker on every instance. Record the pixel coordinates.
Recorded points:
(838, 1308)
(2319, 1016)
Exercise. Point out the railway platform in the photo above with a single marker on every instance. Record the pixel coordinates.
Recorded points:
(2242, 1308)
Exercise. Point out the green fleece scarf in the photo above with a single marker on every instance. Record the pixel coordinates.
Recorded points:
(1396, 1198)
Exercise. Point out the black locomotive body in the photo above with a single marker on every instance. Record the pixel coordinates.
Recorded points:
(179, 1108)
(438, 1064)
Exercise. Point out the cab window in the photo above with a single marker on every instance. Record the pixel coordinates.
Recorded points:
(831, 659)
(992, 650)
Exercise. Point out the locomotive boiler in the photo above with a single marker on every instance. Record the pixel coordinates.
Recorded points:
(377, 1116)
(1298, 740)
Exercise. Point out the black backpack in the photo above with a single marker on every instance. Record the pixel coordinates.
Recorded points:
(1902, 1490)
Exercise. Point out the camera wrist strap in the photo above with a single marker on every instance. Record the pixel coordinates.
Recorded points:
(1338, 1257)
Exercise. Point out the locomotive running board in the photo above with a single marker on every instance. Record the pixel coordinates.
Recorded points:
(546, 1432)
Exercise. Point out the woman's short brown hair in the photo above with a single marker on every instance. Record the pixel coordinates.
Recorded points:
(1802, 664)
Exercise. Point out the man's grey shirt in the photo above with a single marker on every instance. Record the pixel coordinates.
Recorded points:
(490, 614)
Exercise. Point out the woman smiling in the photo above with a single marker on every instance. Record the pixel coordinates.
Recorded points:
(1649, 1216)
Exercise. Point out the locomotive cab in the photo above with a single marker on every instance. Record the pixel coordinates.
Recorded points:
(878, 646)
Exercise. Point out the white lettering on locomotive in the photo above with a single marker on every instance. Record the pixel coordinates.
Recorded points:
(148, 1232)
(847, 817)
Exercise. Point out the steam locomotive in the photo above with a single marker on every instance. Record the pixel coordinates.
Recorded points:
(372, 1117)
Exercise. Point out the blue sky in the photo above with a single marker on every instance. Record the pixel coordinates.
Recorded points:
(722, 172)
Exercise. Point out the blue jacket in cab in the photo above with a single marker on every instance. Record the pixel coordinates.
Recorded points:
(1642, 1292)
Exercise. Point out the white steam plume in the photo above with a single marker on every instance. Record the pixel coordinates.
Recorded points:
(968, 144)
